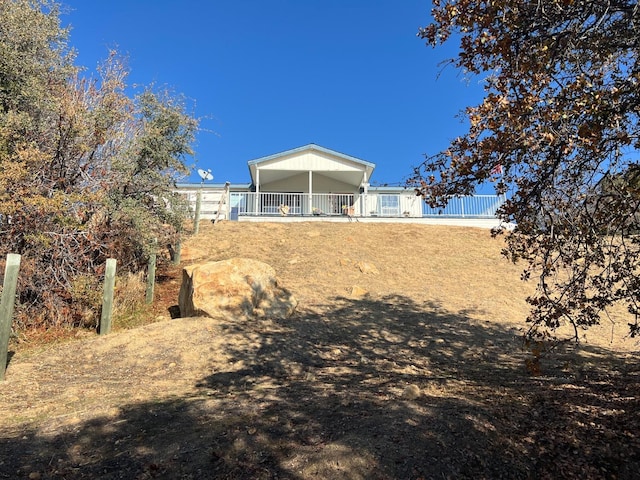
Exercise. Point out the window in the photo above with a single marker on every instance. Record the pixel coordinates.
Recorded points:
(389, 205)
(239, 201)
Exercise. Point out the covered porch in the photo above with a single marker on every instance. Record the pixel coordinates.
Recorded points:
(309, 180)
(315, 183)
(295, 204)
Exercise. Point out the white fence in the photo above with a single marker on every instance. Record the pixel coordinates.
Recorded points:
(250, 203)
(210, 202)
(371, 205)
(477, 206)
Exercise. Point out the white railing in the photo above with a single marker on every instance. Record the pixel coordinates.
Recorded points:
(476, 206)
(375, 204)
(271, 203)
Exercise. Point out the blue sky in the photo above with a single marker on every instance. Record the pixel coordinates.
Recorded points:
(266, 76)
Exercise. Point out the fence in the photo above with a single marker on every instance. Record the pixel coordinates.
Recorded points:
(477, 206)
(7, 303)
(263, 203)
(6, 307)
(212, 203)
(8, 298)
(383, 205)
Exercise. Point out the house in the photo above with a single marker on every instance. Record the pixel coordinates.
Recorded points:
(313, 181)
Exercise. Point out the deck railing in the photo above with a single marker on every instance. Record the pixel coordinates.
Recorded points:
(268, 203)
(476, 206)
(383, 205)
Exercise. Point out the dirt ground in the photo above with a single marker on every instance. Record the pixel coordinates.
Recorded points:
(422, 377)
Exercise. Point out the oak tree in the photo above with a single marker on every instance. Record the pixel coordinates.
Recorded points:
(558, 132)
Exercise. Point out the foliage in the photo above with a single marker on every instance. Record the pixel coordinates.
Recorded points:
(558, 131)
(86, 172)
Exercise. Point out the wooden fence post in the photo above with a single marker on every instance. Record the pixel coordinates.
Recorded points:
(107, 298)
(177, 253)
(151, 272)
(196, 220)
(6, 307)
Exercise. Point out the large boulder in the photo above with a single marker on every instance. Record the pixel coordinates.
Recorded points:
(237, 287)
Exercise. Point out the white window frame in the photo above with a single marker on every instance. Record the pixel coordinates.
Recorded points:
(389, 205)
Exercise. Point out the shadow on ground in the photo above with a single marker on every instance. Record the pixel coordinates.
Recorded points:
(369, 389)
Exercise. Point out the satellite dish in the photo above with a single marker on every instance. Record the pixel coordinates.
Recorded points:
(205, 174)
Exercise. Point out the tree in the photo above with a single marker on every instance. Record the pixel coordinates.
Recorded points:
(559, 120)
(86, 172)
(141, 199)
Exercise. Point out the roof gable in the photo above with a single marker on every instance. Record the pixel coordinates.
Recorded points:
(310, 158)
(313, 148)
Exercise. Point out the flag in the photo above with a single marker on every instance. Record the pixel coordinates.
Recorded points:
(497, 170)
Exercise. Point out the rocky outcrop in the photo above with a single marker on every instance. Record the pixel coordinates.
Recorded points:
(239, 287)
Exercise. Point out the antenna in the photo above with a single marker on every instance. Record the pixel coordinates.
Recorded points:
(205, 174)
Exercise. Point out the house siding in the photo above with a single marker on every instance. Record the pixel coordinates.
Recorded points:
(314, 161)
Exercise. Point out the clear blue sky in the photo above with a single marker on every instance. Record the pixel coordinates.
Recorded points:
(270, 75)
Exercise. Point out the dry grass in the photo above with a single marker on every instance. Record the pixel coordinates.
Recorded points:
(457, 269)
(422, 377)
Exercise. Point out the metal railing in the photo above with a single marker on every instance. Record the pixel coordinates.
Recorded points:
(330, 204)
(476, 206)
(271, 203)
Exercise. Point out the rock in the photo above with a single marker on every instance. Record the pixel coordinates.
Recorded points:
(345, 262)
(358, 292)
(411, 392)
(237, 287)
(367, 268)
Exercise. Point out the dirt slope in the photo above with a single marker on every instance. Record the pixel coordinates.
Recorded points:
(423, 377)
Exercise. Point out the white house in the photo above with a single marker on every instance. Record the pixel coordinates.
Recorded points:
(314, 181)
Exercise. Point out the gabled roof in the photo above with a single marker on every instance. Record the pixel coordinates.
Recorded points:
(312, 146)
(322, 161)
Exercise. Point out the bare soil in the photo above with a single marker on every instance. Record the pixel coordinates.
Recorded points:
(404, 361)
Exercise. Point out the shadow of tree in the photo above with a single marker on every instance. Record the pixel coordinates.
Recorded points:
(379, 389)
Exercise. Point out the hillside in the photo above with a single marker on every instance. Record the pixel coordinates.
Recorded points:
(423, 377)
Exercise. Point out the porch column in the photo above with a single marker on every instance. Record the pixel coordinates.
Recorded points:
(310, 207)
(257, 201)
(365, 191)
